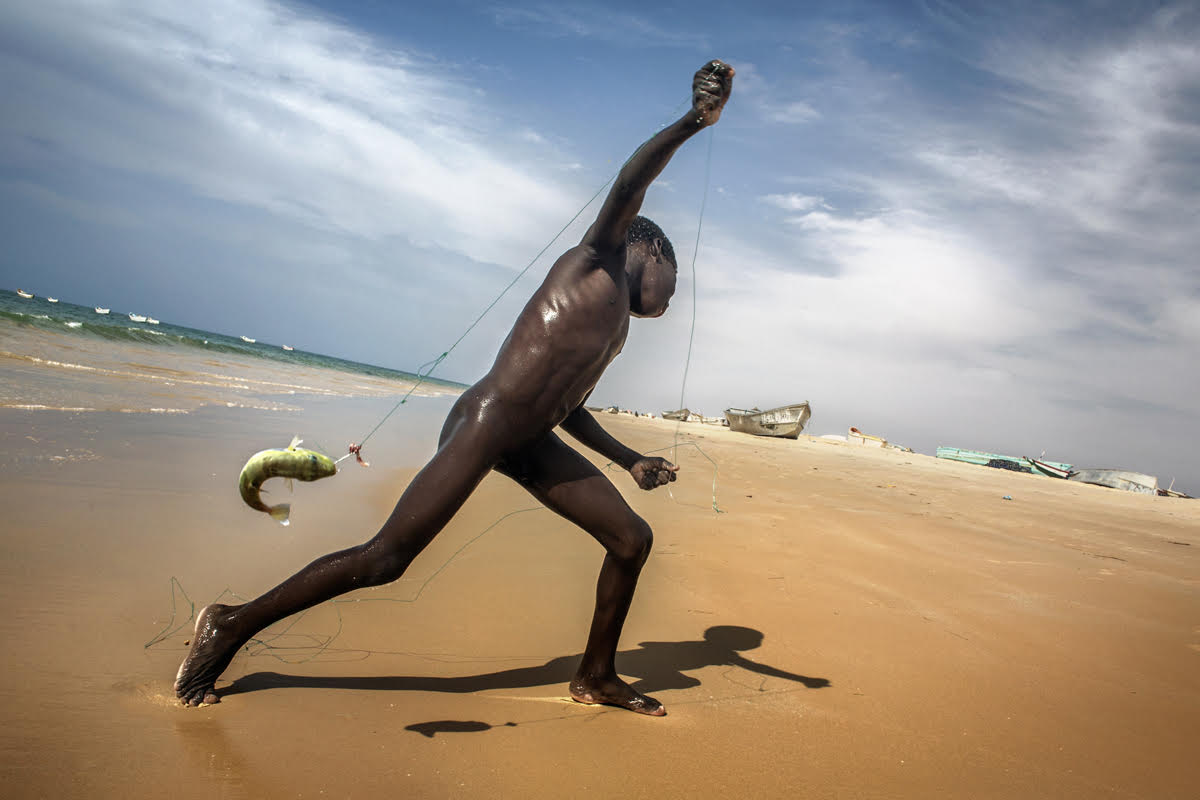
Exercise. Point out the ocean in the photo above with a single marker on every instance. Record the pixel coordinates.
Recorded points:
(66, 357)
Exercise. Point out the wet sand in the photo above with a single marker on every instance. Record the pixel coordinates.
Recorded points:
(856, 623)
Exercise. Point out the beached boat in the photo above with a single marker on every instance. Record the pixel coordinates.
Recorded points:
(1015, 463)
(1053, 469)
(855, 436)
(136, 317)
(248, 340)
(1117, 479)
(151, 321)
(679, 415)
(785, 422)
(100, 310)
(974, 456)
(24, 294)
(51, 299)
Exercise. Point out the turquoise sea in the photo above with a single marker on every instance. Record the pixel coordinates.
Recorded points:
(68, 357)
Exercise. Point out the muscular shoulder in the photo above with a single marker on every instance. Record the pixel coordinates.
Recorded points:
(584, 258)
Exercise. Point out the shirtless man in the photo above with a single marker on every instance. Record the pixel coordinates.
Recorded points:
(570, 330)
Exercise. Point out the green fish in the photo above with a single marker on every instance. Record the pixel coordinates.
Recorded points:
(293, 462)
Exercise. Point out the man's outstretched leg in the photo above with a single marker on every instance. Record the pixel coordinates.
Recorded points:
(569, 485)
(435, 494)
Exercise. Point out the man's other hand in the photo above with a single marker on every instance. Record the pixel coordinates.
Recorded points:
(651, 472)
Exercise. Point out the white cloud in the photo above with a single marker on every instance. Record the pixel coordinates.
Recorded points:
(795, 202)
(604, 24)
(794, 112)
(253, 104)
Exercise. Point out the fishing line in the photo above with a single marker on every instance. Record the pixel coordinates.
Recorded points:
(424, 372)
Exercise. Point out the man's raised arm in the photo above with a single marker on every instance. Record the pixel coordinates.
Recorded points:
(710, 90)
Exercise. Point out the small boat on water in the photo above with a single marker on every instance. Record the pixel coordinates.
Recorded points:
(51, 299)
(288, 348)
(248, 340)
(784, 422)
(100, 310)
(1117, 479)
(151, 321)
(24, 294)
(136, 317)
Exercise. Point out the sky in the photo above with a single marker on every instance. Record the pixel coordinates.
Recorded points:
(964, 224)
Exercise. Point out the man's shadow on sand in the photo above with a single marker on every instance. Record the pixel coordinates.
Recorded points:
(656, 665)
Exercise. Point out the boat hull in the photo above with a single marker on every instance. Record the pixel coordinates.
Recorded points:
(1117, 479)
(785, 422)
(1054, 469)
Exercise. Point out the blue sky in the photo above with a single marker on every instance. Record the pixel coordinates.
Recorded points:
(970, 224)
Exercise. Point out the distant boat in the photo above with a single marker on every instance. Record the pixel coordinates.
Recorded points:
(136, 317)
(1035, 466)
(855, 436)
(288, 348)
(681, 415)
(151, 320)
(1051, 468)
(24, 294)
(51, 299)
(1117, 479)
(975, 456)
(248, 340)
(100, 310)
(784, 422)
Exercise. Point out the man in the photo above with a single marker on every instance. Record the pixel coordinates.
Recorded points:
(570, 330)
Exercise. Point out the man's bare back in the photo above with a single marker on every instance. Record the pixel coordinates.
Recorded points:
(570, 330)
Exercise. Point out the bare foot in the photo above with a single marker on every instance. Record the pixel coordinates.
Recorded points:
(212, 649)
(614, 692)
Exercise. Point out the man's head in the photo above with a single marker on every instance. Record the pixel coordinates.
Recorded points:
(650, 265)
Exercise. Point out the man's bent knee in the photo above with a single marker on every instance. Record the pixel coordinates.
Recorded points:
(383, 564)
(633, 545)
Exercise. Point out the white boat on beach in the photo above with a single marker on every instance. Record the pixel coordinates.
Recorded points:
(784, 422)
(51, 299)
(24, 294)
(136, 317)
(151, 321)
(100, 310)
(1117, 479)
(248, 340)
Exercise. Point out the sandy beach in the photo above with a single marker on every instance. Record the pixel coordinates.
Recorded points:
(853, 623)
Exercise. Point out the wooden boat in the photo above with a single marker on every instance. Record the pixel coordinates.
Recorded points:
(975, 456)
(855, 436)
(784, 422)
(1052, 468)
(1117, 479)
(1056, 469)
(24, 294)
(681, 415)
